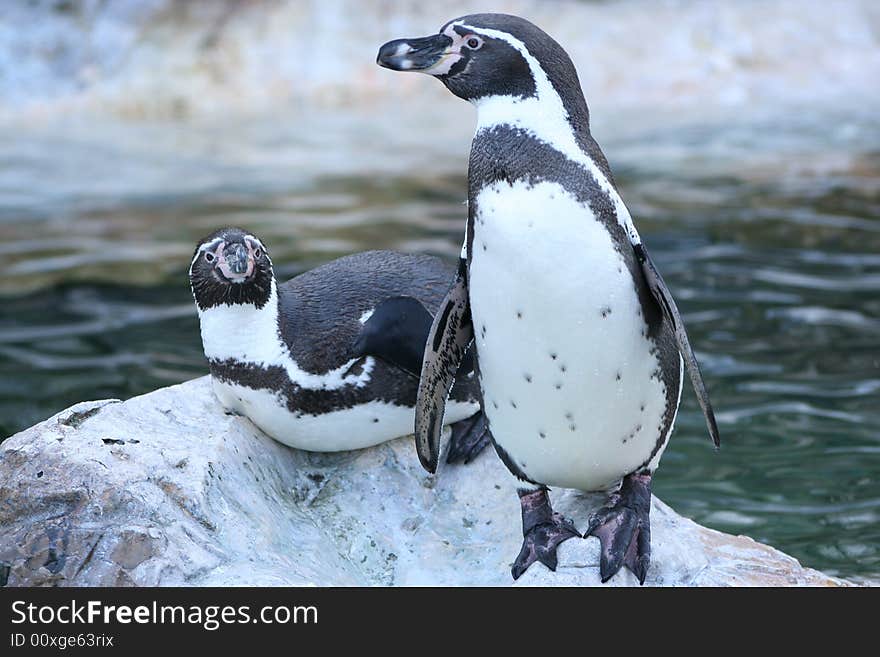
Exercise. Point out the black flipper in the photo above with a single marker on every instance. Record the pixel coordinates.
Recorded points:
(623, 528)
(469, 437)
(396, 333)
(664, 299)
(543, 531)
(451, 333)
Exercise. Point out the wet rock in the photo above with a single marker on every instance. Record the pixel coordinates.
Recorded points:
(184, 494)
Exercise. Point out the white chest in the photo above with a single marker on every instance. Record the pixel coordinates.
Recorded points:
(362, 425)
(569, 378)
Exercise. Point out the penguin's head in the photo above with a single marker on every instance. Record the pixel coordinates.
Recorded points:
(484, 55)
(231, 267)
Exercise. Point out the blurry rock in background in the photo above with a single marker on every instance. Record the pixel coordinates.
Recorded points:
(125, 116)
(183, 58)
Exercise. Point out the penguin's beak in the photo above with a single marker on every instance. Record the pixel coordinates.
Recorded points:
(236, 262)
(420, 54)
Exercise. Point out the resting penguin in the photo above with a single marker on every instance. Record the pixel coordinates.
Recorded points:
(329, 360)
(580, 347)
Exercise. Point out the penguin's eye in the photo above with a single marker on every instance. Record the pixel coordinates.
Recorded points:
(258, 254)
(474, 43)
(209, 256)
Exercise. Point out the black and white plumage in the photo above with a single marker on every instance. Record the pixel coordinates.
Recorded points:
(580, 345)
(329, 360)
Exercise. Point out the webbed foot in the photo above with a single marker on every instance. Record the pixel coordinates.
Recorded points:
(469, 437)
(623, 528)
(543, 531)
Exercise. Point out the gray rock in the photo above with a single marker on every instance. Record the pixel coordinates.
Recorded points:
(167, 489)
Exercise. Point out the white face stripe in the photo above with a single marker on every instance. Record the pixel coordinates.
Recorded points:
(546, 119)
(452, 56)
(255, 241)
(216, 241)
(204, 247)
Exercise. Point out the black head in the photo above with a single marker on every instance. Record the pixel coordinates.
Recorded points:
(480, 56)
(231, 267)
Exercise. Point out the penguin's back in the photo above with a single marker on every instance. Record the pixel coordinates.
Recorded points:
(322, 311)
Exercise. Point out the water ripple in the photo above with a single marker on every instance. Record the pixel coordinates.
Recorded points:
(737, 415)
(768, 237)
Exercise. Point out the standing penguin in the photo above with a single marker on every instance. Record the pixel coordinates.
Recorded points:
(329, 360)
(580, 346)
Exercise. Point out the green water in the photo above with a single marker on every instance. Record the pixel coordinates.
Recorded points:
(768, 233)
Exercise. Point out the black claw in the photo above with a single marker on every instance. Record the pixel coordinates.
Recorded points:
(616, 535)
(624, 530)
(469, 437)
(543, 531)
(642, 554)
(540, 544)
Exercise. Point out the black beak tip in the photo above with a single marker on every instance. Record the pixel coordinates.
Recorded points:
(390, 54)
(418, 54)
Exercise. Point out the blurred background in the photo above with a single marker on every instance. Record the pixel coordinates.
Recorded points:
(744, 136)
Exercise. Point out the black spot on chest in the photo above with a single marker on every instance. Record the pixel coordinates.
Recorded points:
(504, 154)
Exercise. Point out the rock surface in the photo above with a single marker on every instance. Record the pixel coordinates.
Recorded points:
(166, 489)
